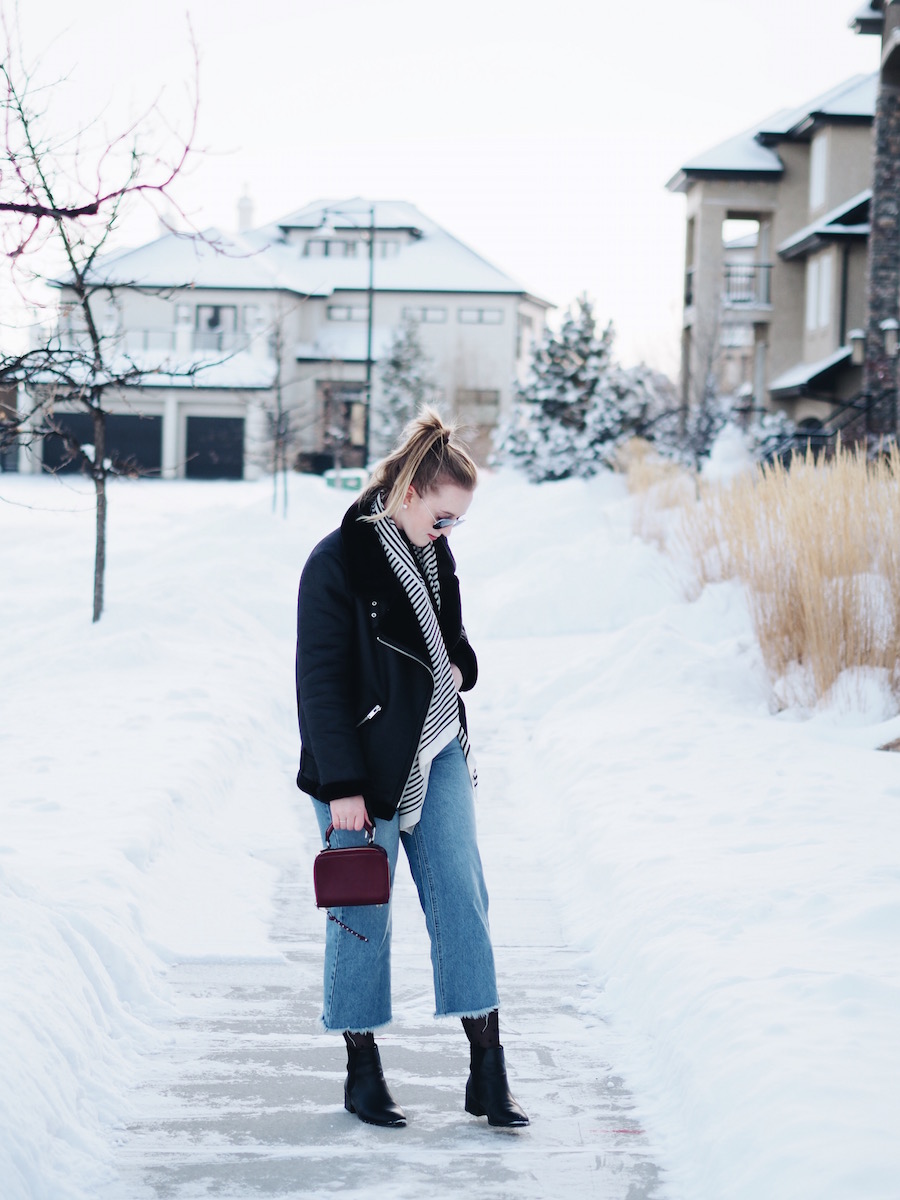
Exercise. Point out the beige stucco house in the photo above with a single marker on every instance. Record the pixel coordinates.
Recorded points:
(300, 311)
(772, 310)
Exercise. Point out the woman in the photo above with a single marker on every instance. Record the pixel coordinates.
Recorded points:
(381, 657)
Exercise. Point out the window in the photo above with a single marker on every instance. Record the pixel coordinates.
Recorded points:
(735, 337)
(347, 312)
(480, 316)
(818, 169)
(343, 408)
(331, 248)
(812, 293)
(250, 318)
(478, 406)
(216, 324)
(221, 317)
(387, 247)
(524, 333)
(818, 292)
(341, 248)
(427, 315)
(824, 291)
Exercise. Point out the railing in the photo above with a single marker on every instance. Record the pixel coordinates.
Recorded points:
(748, 284)
(166, 341)
(850, 422)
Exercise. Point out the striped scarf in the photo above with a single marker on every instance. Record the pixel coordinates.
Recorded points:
(417, 570)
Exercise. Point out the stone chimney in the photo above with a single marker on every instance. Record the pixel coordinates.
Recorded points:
(245, 211)
(880, 380)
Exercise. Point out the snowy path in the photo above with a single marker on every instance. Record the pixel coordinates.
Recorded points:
(249, 1102)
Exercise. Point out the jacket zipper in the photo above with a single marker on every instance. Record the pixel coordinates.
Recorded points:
(369, 715)
(406, 653)
(400, 650)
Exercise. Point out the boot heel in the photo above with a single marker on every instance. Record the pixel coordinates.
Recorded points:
(472, 1105)
(347, 1104)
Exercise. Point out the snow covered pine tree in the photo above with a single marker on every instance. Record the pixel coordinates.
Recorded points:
(405, 386)
(577, 404)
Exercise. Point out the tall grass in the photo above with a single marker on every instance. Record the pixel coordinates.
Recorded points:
(818, 547)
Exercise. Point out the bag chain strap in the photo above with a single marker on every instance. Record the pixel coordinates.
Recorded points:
(332, 917)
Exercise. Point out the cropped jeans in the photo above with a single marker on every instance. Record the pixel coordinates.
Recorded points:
(446, 867)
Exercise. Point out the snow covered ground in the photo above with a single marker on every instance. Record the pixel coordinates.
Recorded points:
(730, 876)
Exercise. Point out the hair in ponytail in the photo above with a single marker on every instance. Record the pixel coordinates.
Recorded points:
(428, 454)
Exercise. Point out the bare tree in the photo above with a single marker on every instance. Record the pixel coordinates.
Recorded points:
(67, 199)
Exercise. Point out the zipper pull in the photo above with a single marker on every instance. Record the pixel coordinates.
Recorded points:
(369, 715)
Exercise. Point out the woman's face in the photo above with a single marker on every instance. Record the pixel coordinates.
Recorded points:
(420, 512)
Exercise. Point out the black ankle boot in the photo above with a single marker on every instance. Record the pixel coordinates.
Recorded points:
(365, 1092)
(487, 1091)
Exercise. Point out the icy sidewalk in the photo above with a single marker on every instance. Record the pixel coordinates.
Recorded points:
(249, 1102)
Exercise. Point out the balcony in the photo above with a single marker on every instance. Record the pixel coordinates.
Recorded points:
(207, 343)
(748, 285)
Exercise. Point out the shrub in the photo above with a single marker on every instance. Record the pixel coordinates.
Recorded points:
(817, 545)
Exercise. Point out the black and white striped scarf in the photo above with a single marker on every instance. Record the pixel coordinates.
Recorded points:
(417, 570)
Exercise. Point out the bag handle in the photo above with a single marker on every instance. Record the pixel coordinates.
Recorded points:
(370, 835)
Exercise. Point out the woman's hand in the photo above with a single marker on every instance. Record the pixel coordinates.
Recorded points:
(349, 813)
(457, 676)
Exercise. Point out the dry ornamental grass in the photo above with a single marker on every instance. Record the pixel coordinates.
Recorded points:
(817, 546)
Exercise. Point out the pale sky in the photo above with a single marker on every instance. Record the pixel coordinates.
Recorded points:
(540, 133)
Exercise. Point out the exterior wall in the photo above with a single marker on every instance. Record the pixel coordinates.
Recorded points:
(781, 337)
(473, 364)
(849, 164)
(709, 204)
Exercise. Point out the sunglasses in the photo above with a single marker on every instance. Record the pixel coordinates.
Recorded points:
(442, 522)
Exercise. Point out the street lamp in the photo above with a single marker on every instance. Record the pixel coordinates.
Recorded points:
(857, 347)
(329, 212)
(889, 328)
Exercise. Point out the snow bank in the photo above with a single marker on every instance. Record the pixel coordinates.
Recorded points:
(730, 876)
(147, 797)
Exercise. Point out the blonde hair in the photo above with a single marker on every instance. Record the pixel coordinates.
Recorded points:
(428, 454)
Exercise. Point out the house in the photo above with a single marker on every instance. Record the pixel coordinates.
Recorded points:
(787, 295)
(293, 317)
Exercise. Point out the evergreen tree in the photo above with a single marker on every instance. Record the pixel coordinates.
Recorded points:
(577, 404)
(405, 387)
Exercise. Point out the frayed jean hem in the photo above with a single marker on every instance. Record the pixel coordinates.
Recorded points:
(343, 1029)
(474, 1015)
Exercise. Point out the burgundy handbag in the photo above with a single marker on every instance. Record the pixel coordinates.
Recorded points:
(351, 875)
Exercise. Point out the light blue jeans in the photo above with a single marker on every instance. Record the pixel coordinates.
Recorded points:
(446, 866)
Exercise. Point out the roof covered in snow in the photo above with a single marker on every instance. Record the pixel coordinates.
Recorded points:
(752, 154)
(425, 259)
(848, 220)
(854, 99)
(212, 260)
(798, 378)
(869, 18)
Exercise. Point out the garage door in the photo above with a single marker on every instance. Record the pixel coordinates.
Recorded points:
(129, 439)
(215, 448)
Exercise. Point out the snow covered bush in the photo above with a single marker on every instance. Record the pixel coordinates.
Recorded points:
(578, 405)
(689, 436)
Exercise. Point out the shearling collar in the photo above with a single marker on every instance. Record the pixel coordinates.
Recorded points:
(367, 566)
(370, 577)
